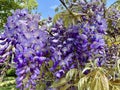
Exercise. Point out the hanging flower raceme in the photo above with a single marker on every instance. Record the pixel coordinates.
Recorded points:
(94, 26)
(113, 18)
(74, 46)
(113, 32)
(29, 42)
(14, 28)
(30, 54)
(69, 48)
(61, 47)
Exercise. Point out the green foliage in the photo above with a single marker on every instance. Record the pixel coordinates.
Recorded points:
(69, 81)
(7, 7)
(118, 65)
(68, 19)
(5, 10)
(68, 15)
(41, 86)
(59, 83)
(48, 77)
(110, 40)
(10, 72)
(83, 82)
(72, 74)
(97, 79)
(8, 84)
(30, 4)
(9, 87)
(114, 84)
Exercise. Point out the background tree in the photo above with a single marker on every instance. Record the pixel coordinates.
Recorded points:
(8, 6)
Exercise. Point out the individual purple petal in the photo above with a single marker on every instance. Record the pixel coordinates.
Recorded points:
(20, 78)
(37, 71)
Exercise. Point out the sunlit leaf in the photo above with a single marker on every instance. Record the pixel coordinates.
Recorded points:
(118, 65)
(59, 83)
(72, 74)
(5, 83)
(41, 86)
(95, 80)
(114, 84)
(82, 84)
(100, 82)
(65, 87)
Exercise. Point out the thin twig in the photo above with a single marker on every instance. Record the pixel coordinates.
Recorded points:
(63, 3)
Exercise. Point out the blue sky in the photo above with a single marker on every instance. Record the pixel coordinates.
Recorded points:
(46, 7)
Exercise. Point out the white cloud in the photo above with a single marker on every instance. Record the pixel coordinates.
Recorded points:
(53, 7)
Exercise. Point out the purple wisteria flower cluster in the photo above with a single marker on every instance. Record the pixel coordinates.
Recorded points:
(68, 48)
(28, 43)
(112, 50)
(76, 45)
(113, 21)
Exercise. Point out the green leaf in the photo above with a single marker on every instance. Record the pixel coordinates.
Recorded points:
(50, 63)
(114, 84)
(56, 9)
(68, 18)
(72, 74)
(10, 72)
(6, 83)
(74, 0)
(65, 87)
(104, 82)
(41, 86)
(118, 65)
(100, 82)
(83, 83)
(96, 80)
(59, 83)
